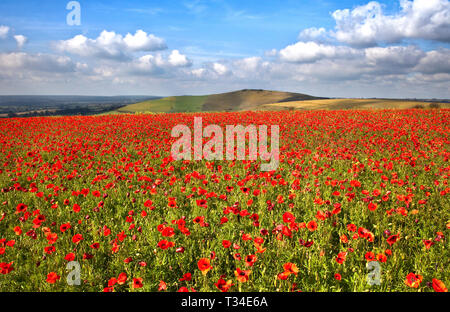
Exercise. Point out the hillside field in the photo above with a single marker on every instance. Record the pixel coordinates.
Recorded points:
(231, 101)
(263, 100)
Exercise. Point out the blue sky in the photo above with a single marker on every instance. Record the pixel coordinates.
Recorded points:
(223, 45)
(217, 27)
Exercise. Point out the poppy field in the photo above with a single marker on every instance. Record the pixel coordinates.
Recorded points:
(102, 193)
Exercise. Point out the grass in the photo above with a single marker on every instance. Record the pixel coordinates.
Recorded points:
(174, 104)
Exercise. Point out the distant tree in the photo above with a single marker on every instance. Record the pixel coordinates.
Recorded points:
(435, 105)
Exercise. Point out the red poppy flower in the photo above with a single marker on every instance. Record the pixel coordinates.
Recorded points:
(186, 277)
(137, 282)
(341, 257)
(413, 280)
(226, 243)
(372, 206)
(164, 244)
(64, 227)
(288, 217)
(242, 275)
(18, 230)
(439, 286)
(6, 268)
(351, 227)
(250, 260)
(52, 277)
(428, 243)
(122, 278)
(223, 285)
(381, 258)
(77, 238)
(283, 276)
(204, 265)
(370, 256)
(312, 226)
(76, 208)
(291, 268)
(162, 285)
(50, 249)
(392, 239)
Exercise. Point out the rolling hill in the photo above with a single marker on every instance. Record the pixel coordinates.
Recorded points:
(231, 101)
(251, 100)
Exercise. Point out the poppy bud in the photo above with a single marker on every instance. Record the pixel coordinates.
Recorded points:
(180, 250)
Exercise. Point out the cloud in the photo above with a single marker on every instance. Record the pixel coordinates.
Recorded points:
(24, 62)
(220, 69)
(4, 30)
(20, 40)
(110, 45)
(198, 72)
(435, 62)
(147, 65)
(367, 25)
(312, 34)
(140, 41)
(179, 60)
(309, 52)
(394, 57)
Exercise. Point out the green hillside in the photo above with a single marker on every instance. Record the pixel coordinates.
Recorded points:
(230, 101)
(173, 104)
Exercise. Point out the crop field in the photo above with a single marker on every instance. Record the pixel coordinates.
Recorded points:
(359, 202)
(341, 104)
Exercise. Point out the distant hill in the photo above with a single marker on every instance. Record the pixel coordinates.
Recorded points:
(48, 105)
(230, 101)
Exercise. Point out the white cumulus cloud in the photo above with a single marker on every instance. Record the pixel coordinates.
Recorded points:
(20, 40)
(141, 41)
(368, 25)
(179, 60)
(220, 69)
(395, 56)
(111, 45)
(313, 33)
(308, 52)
